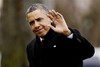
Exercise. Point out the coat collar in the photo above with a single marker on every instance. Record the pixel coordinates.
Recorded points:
(48, 36)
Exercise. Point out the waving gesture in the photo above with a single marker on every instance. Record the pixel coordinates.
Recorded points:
(60, 24)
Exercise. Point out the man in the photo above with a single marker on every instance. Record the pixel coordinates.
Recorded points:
(55, 44)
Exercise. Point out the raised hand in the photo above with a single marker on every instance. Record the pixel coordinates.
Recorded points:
(60, 24)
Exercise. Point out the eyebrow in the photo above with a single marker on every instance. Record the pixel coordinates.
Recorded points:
(36, 19)
(39, 18)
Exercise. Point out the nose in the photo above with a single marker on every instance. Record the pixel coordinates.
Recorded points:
(36, 25)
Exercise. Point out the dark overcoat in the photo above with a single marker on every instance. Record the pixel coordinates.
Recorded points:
(59, 50)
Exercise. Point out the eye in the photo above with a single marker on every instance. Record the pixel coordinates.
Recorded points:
(32, 22)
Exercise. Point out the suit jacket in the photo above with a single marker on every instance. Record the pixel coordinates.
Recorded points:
(58, 50)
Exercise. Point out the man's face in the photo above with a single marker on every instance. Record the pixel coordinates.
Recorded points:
(39, 22)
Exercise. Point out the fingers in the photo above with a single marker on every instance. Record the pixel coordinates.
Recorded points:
(53, 15)
(59, 15)
(53, 27)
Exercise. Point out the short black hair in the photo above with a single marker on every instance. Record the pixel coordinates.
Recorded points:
(36, 6)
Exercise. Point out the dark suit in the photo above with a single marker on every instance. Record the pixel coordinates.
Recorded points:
(58, 50)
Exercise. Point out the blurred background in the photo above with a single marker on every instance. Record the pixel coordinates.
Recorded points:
(15, 33)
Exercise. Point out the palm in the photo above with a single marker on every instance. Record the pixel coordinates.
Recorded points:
(59, 22)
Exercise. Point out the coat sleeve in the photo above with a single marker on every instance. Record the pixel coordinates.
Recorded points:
(86, 49)
(31, 62)
(30, 54)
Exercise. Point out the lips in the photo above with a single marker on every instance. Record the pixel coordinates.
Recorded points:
(39, 30)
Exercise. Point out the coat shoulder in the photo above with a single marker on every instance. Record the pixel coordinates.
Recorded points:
(31, 44)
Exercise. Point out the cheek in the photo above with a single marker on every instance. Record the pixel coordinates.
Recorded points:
(32, 28)
(47, 28)
(45, 23)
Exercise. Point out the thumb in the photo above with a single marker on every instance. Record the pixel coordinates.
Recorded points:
(52, 27)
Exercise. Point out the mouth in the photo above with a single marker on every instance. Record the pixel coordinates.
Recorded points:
(39, 30)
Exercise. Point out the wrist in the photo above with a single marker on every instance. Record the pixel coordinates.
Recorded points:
(67, 32)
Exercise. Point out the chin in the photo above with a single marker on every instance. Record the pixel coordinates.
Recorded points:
(41, 35)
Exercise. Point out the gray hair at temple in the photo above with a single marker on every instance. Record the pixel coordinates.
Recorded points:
(36, 6)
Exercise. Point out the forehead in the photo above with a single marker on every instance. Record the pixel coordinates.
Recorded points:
(37, 13)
